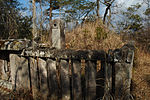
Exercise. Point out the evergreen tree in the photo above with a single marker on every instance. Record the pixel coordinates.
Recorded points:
(80, 9)
(12, 23)
(132, 21)
(147, 13)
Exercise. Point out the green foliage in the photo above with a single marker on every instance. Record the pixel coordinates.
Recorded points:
(69, 9)
(24, 28)
(134, 8)
(132, 20)
(147, 12)
(79, 9)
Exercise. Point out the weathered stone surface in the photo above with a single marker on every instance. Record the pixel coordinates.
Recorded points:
(14, 44)
(46, 70)
(52, 79)
(76, 75)
(19, 71)
(65, 83)
(3, 70)
(90, 78)
(38, 76)
(43, 77)
(108, 78)
(123, 71)
(67, 54)
(108, 74)
(34, 75)
(58, 33)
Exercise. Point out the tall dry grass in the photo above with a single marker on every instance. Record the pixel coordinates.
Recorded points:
(141, 75)
(93, 36)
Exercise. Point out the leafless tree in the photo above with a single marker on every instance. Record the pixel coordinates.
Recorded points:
(108, 4)
(97, 10)
(34, 31)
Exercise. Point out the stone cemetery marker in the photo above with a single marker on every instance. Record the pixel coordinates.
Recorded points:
(123, 72)
(58, 34)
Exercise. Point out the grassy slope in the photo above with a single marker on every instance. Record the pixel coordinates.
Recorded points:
(85, 37)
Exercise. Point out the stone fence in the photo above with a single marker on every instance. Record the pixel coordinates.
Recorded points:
(68, 74)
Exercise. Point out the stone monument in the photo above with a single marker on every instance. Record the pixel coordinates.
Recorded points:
(58, 34)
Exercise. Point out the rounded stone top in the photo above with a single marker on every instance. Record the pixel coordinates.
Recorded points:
(58, 24)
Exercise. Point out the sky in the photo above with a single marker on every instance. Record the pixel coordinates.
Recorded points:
(24, 2)
(126, 3)
(122, 3)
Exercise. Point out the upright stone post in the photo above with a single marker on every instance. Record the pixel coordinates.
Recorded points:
(90, 77)
(77, 90)
(58, 34)
(123, 64)
(108, 64)
(19, 72)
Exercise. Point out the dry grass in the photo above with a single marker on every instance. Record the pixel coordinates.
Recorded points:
(86, 37)
(141, 75)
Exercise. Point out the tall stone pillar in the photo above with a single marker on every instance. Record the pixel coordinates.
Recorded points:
(58, 34)
(123, 65)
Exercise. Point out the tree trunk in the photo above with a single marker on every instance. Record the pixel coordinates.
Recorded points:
(50, 19)
(106, 12)
(97, 11)
(34, 32)
(41, 20)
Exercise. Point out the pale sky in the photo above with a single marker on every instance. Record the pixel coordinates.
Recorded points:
(124, 4)
(127, 3)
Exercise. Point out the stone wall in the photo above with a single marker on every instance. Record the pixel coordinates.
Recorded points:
(62, 74)
(58, 75)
